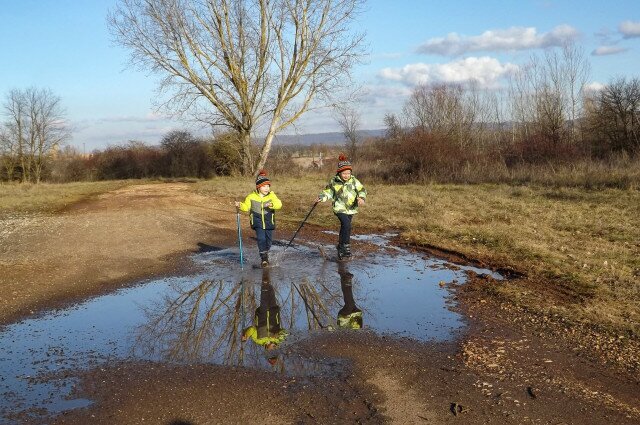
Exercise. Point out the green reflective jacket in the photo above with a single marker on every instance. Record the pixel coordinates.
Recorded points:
(253, 333)
(261, 216)
(350, 321)
(344, 194)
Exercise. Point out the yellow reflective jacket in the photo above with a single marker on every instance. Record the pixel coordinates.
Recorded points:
(350, 321)
(276, 338)
(261, 216)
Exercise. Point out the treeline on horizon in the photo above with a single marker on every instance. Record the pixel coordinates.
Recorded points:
(445, 133)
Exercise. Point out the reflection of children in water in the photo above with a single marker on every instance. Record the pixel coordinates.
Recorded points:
(349, 316)
(266, 330)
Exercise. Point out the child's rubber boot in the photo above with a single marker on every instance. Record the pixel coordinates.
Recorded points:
(340, 248)
(264, 256)
(346, 251)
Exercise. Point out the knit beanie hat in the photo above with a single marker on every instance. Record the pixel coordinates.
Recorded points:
(343, 164)
(262, 179)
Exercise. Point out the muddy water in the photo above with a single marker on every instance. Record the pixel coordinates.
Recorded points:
(205, 317)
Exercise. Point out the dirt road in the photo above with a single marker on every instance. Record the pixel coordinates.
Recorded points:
(125, 235)
(509, 367)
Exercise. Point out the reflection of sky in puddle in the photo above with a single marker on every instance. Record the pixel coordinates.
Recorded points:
(200, 318)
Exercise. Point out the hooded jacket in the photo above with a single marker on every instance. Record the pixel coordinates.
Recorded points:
(261, 216)
(344, 194)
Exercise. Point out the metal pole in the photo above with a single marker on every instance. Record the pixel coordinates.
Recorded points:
(240, 239)
(242, 295)
(300, 227)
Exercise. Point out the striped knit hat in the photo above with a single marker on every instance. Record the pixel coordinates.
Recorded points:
(262, 179)
(343, 164)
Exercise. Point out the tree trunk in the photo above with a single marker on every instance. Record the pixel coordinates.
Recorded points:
(266, 148)
(247, 153)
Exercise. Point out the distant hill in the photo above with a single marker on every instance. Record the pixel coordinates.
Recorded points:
(333, 138)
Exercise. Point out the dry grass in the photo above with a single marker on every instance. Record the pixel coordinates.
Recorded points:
(579, 248)
(46, 197)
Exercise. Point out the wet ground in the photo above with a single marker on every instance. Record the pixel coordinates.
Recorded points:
(200, 318)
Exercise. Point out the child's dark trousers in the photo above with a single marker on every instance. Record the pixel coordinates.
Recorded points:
(264, 237)
(345, 228)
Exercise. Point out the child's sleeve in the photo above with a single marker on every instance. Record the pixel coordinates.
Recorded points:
(246, 204)
(327, 193)
(276, 203)
(362, 192)
(250, 332)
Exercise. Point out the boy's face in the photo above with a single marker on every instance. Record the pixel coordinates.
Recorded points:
(345, 175)
(264, 189)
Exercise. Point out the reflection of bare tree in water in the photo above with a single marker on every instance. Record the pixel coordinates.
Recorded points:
(205, 323)
(195, 324)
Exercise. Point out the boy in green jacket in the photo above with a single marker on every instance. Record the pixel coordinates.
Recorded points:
(262, 205)
(349, 316)
(347, 194)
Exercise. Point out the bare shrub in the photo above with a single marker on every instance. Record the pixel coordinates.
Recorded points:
(132, 161)
(70, 166)
(185, 156)
(539, 149)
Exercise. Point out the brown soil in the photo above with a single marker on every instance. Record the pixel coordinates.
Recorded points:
(511, 366)
(122, 236)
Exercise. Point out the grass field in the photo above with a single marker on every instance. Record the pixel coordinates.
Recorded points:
(579, 249)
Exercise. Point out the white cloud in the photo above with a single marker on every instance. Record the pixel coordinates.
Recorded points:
(593, 87)
(629, 29)
(514, 38)
(608, 50)
(381, 95)
(484, 70)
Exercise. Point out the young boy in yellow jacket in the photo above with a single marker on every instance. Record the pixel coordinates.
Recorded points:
(261, 205)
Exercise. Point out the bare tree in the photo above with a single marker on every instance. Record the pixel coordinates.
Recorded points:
(393, 127)
(15, 134)
(449, 111)
(614, 116)
(576, 72)
(546, 94)
(242, 63)
(348, 119)
(8, 151)
(34, 128)
(48, 130)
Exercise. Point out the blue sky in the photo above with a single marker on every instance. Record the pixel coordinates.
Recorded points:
(65, 45)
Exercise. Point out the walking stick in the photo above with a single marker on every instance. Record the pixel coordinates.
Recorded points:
(300, 227)
(240, 238)
(242, 296)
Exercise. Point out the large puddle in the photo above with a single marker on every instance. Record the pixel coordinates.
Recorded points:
(205, 317)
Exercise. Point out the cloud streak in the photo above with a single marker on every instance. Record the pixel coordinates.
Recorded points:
(484, 70)
(629, 29)
(510, 39)
(608, 50)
